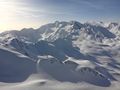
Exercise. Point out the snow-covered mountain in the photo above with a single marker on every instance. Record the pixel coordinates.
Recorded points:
(70, 30)
(66, 51)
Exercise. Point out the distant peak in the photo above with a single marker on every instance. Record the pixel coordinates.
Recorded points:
(114, 23)
(74, 22)
(27, 29)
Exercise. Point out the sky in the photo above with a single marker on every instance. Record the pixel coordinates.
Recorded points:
(18, 14)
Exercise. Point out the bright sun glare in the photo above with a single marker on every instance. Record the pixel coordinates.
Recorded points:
(12, 16)
(7, 14)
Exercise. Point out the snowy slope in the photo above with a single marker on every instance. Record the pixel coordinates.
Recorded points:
(62, 72)
(14, 67)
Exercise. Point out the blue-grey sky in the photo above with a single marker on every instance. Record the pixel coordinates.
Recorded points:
(17, 14)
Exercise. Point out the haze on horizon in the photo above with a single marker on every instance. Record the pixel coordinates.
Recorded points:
(17, 14)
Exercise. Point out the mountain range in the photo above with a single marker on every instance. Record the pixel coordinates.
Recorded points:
(63, 51)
